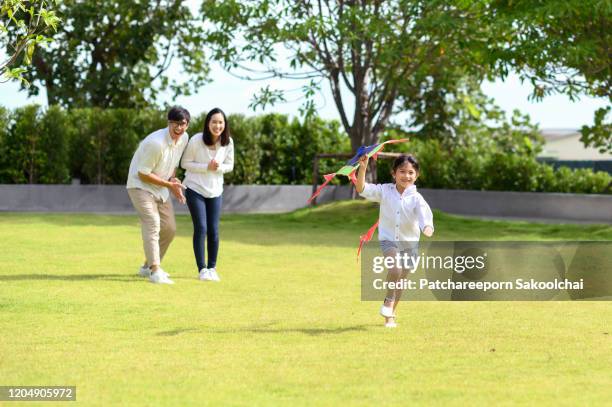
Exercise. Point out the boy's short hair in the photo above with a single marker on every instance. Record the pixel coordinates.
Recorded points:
(178, 114)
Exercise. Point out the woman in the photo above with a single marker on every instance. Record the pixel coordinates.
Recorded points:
(208, 156)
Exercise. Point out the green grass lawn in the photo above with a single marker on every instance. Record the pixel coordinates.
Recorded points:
(285, 325)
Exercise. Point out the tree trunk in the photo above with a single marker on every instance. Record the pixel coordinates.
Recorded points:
(46, 72)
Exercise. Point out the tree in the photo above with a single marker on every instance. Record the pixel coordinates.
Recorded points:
(599, 135)
(23, 25)
(372, 53)
(116, 53)
(561, 46)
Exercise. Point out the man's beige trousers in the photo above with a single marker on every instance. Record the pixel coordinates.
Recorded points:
(157, 222)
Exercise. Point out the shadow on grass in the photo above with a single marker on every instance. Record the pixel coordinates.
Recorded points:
(72, 277)
(176, 332)
(267, 329)
(306, 331)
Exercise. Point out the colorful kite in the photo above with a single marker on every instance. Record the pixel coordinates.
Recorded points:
(349, 170)
(352, 165)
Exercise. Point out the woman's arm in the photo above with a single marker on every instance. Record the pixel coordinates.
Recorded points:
(228, 164)
(189, 163)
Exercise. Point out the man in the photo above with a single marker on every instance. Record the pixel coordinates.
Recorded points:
(150, 181)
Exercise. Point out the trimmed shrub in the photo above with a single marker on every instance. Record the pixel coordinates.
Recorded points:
(97, 146)
(34, 146)
(500, 164)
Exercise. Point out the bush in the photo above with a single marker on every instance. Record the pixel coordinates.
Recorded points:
(97, 146)
(311, 137)
(504, 172)
(586, 181)
(104, 141)
(272, 150)
(503, 159)
(54, 141)
(5, 119)
(34, 146)
(20, 147)
(248, 151)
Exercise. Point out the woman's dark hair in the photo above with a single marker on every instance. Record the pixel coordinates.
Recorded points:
(402, 159)
(178, 114)
(225, 135)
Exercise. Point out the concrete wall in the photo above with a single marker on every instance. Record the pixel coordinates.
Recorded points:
(529, 205)
(114, 198)
(285, 198)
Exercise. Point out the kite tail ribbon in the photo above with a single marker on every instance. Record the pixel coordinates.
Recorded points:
(352, 177)
(328, 178)
(366, 238)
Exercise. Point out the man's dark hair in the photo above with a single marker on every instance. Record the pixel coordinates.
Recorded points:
(178, 114)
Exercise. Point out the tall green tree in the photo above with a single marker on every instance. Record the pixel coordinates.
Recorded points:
(23, 26)
(371, 53)
(117, 53)
(417, 56)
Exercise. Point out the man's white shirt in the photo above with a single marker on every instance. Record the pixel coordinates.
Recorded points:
(156, 154)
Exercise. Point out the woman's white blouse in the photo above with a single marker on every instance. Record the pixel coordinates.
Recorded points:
(195, 161)
(402, 217)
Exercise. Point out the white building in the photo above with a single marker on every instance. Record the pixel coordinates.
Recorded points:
(565, 144)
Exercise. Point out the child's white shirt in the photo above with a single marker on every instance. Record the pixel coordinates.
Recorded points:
(402, 217)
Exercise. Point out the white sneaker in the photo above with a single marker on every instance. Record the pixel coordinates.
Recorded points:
(204, 275)
(391, 324)
(146, 272)
(160, 277)
(386, 312)
(213, 275)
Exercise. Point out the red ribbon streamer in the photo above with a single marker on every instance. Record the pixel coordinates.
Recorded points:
(328, 177)
(366, 238)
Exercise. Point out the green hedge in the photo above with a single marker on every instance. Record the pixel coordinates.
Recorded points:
(34, 146)
(96, 146)
(54, 145)
(493, 163)
(271, 149)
